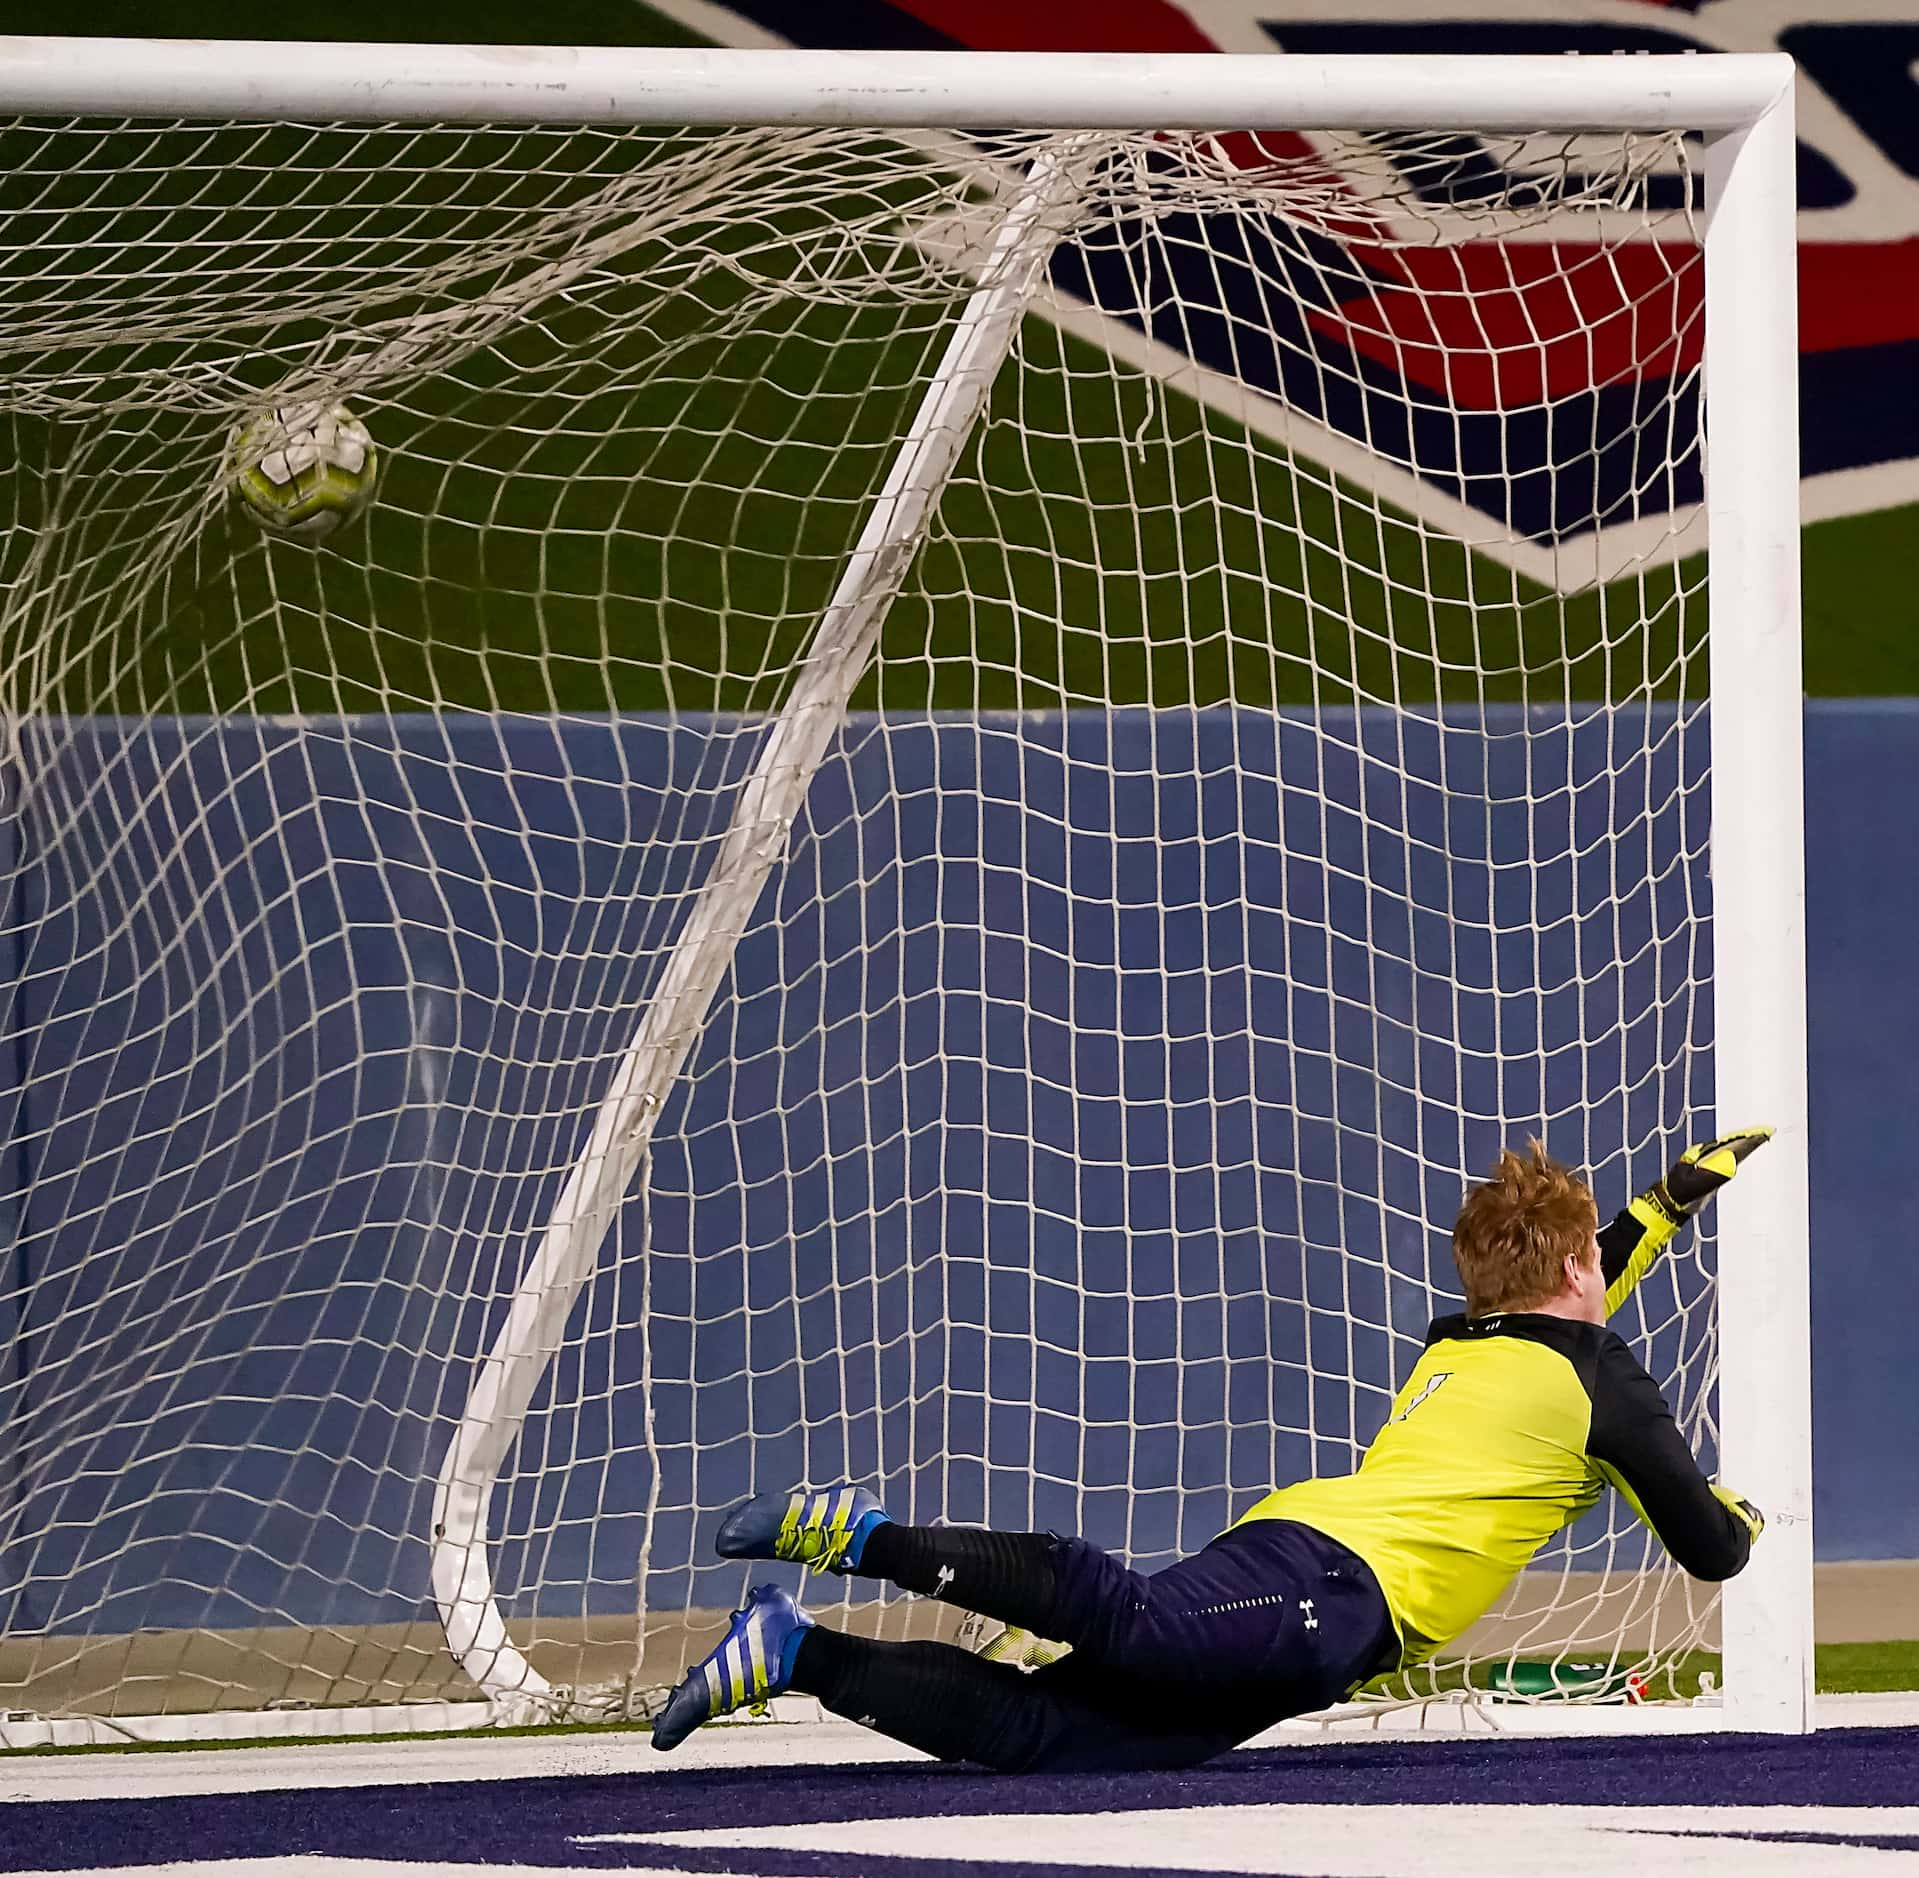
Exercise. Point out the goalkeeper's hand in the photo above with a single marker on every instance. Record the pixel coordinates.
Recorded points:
(1007, 1643)
(1701, 1171)
(1744, 1511)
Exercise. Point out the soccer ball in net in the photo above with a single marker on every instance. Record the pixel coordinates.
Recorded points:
(304, 469)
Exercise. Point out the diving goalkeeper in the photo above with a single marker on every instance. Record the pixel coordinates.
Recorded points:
(1513, 1419)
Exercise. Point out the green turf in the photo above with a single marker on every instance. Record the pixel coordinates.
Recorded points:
(1838, 1669)
(1865, 1668)
(651, 536)
(1861, 586)
(599, 583)
(621, 572)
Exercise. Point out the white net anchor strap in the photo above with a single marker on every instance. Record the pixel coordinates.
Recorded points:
(768, 802)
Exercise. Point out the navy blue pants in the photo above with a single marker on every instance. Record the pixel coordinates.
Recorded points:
(1271, 1620)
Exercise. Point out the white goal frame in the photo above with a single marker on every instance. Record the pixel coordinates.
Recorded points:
(1743, 106)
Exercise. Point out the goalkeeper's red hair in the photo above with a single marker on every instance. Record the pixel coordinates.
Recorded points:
(1516, 1233)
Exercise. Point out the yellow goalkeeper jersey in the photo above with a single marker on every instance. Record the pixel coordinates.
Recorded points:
(1506, 1431)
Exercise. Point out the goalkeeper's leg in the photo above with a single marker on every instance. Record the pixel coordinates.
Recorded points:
(1269, 1621)
(1269, 1606)
(1071, 1717)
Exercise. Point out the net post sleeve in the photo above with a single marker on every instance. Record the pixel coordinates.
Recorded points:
(1759, 906)
(768, 803)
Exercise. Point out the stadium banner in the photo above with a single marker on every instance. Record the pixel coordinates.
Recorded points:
(1858, 115)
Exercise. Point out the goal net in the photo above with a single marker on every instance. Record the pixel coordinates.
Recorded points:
(957, 784)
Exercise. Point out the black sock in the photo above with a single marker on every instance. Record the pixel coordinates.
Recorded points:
(932, 1696)
(1008, 1575)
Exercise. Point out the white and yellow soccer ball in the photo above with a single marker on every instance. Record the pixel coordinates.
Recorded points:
(304, 470)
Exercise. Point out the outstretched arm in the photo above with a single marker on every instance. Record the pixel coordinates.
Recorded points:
(1637, 1445)
(1629, 1245)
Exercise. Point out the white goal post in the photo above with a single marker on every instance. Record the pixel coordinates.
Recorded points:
(1000, 226)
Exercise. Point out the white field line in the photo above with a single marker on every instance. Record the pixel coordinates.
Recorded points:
(1471, 1839)
(1580, 561)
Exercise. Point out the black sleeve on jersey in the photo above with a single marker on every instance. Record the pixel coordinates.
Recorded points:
(1635, 1437)
(1618, 1241)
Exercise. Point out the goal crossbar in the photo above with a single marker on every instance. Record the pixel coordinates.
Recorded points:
(256, 81)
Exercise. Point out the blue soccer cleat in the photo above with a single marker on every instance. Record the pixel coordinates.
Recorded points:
(753, 1664)
(826, 1530)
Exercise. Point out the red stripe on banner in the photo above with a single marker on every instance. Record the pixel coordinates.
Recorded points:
(1489, 325)
(1857, 293)
(1495, 327)
(1492, 327)
(1061, 25)
(1087, 25)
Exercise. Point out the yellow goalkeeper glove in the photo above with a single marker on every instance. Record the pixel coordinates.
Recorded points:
(1701, 1171)
(1744, 1511)
(1007, 1643)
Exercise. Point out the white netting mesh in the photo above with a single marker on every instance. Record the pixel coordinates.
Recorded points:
(1281, 782)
